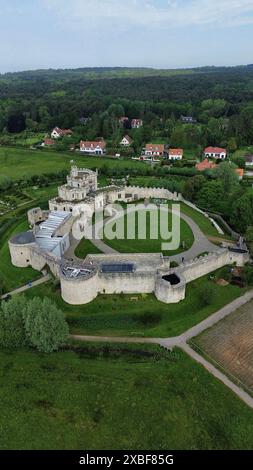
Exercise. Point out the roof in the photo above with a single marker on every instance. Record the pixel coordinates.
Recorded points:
(240, 172)
(44, 237)
(62, 131)
(248, 158)
(176, 151)
(128, 138)
(205, 165)
(23, 238)
(93, 144)
(135, 121)
(49, 142)
(215, 150)
(155, 148)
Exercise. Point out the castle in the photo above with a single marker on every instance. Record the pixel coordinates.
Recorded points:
(47, 243)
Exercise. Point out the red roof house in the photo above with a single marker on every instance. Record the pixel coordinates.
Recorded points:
(205, 165)
(176, 154)
(215, 152)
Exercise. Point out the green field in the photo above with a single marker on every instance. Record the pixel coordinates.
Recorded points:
(19, 163)
(139, 315)
(10, 276)
(117, 397)
(86, 248)
(147, 244)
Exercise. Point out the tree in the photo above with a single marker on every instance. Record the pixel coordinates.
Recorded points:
(12, 328)
(211, 196)
(241, 211)
(45, 325)
(192, 186)
(225, 172)
(232, 145)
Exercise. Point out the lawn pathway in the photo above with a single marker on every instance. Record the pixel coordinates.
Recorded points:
(181, 342)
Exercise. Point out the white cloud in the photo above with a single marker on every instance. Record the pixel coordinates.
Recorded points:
(152, 13)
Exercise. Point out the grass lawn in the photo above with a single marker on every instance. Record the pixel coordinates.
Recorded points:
(10, 276)
(85, 248)
(147, 245)
(36, 162)
(139, 315)
(120, 397)
(203, 222)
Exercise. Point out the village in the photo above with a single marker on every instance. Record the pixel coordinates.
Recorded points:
(155, 153)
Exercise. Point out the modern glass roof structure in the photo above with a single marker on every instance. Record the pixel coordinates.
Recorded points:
(117, 268)
(44, 237)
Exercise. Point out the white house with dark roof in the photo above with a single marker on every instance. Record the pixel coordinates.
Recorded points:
(57, 133)
(126, 141)
(93, 147)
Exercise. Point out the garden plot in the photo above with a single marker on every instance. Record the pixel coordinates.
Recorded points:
(230, 344)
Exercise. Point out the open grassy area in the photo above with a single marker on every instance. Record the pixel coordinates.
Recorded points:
(85, 248)
(125, 397)
(139, 315)
(147, 244)
(36, 162)
(10, 276)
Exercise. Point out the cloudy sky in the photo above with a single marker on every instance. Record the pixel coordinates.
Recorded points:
(157, 33)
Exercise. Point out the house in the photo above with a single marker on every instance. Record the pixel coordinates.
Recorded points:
(188, 119)
(57, 133)
(95, 147)
(156, 150)
(136, 123)
(176, 154)
(215, 152)
(126, 141)
(205, 165)
(248, 160)
(47, 143)
(84, 120)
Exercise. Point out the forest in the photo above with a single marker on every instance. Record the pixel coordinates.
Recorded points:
(220, 99)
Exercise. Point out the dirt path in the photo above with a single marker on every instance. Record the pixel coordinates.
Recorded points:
(29, 285)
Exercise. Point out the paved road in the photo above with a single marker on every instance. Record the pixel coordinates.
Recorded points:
(40, 281)
(181, 341)
(200, 245)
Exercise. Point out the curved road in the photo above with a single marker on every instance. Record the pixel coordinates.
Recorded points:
(200, 245)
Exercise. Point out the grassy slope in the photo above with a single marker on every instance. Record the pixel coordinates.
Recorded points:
(85, 248)
(30, 162)
(139, 315)
(11, 276)
(131, 400)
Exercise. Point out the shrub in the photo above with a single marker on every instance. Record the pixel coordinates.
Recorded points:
(149, 318)
(248, 275)
(207, 294)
